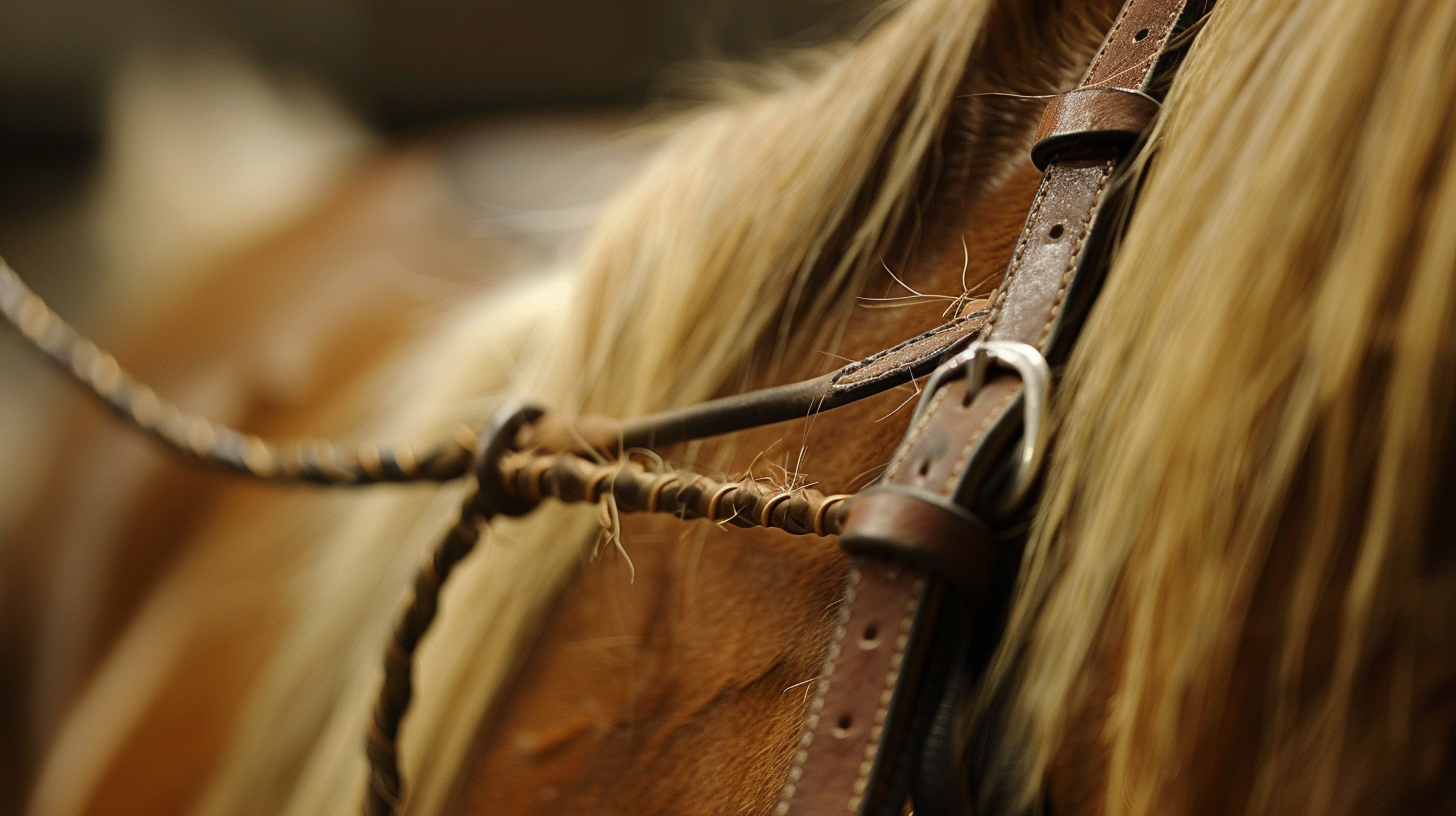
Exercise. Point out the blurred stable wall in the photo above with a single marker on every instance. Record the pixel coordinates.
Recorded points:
(401, 63)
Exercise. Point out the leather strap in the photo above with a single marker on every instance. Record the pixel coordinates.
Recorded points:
(871, 709)
(898, 365)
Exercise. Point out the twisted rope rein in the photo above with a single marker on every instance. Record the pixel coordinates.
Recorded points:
(508, 482)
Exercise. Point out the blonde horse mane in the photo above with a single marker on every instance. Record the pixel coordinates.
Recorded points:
(1242, 526)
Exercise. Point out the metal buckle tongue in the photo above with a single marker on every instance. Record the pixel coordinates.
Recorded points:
(973, 363)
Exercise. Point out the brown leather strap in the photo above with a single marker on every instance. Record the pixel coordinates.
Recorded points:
(850, 713)
(856, 752)
(898, 365)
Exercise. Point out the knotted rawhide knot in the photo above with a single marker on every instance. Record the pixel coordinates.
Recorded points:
(494, 494)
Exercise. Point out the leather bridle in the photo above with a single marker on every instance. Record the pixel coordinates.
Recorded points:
(934, 539)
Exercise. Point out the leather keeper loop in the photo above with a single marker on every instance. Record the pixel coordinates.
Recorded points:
(1091, 119)
(940, 539)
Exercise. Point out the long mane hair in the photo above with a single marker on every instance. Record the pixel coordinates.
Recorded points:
(1246, 527)
(1252, 441)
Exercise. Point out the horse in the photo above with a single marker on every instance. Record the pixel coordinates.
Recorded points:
(1233, 592)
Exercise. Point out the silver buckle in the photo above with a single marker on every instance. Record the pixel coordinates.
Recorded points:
(1036, 385)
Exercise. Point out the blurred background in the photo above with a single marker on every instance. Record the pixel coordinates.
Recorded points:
(142, 137)
(399, 65)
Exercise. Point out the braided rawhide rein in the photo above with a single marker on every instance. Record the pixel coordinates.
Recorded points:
(636, 489)
(508, 482)
(302, 460)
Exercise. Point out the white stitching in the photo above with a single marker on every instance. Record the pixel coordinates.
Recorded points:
(964, 457)
(887, 695)
(914, 434)
(821, 690)
(844, 379)
(1145, 64)
(1083, 230)
(1021, 245)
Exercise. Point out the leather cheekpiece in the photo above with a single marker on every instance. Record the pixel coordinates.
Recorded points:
(1091, 119)
(954, 447)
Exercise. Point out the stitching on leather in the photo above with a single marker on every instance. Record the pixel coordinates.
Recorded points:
(902, 641)
(821, 691)
(855, 368)
(914, 435)
(1169, 23)
(965, 454)
(1143, 66)
(1146, 64)
(1084, 229)
(887, 695)
(1107, 42)
(1005, 287)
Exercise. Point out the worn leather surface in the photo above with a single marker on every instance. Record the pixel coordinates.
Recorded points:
(1091, 119)
(850, 712)
(913, 352)
(952, 449)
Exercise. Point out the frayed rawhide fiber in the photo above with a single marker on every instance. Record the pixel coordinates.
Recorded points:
(525, 480)
(300, 460)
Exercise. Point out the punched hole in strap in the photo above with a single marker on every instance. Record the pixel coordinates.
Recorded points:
(869, 639)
